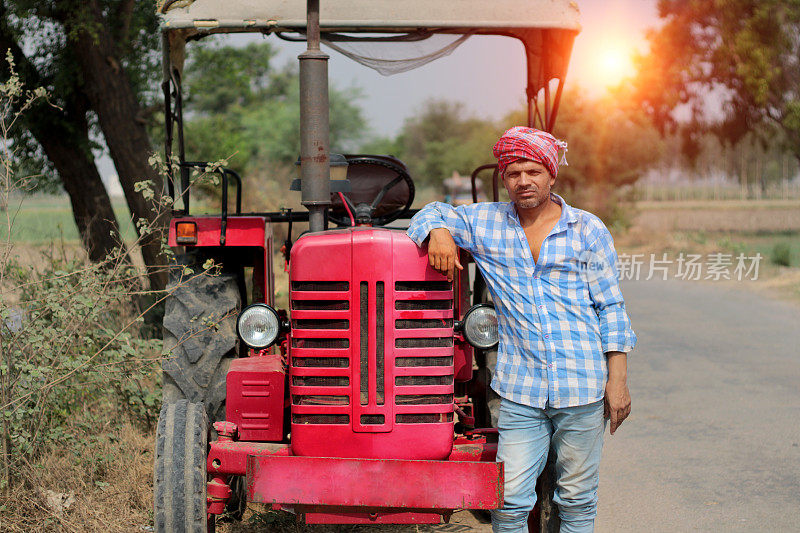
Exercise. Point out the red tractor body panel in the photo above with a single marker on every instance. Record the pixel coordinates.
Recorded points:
(240, 231)
(354, 491)
(255, 397)
(371, 349)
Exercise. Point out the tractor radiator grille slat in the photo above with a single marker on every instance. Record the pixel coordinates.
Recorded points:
(423, 399)
(424, 342)
(320, 362)
(374, 420)
(320, 305)
(405, 381)
(423, 286)
(321, 286)
(424, 323)
(364, 341)
(321, 343)
(315, 323)
(320, 399)
(379, 355)
(434, 418)
(320, 381)
(421, 305)
(320, 419)
(424, 361)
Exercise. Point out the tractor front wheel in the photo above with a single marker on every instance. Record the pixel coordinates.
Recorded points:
(200, 334)
(180, 469)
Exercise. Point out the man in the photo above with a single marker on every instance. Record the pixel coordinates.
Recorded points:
(564, 332)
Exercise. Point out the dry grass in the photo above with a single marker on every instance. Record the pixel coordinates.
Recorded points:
(728, 227)
(111, 482)
(751, 216)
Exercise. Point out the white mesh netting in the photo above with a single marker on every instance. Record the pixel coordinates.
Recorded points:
(395, 57)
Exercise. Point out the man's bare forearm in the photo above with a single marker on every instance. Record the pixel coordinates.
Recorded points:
(617, 366)
(618, 398)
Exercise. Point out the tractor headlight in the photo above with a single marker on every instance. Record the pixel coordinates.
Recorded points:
(258, 325)
(480, 326)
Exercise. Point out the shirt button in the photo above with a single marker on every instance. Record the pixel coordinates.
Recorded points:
(547, 336)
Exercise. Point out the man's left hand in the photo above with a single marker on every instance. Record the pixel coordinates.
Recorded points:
(618, 398)
(617, 403)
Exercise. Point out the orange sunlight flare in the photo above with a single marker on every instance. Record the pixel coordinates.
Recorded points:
(612, 63)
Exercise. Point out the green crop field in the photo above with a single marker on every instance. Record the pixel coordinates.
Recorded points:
(44, 219)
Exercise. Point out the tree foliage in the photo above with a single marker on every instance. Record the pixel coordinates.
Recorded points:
(442, 138)
(97, 59)
(741, 52)
(241, 104)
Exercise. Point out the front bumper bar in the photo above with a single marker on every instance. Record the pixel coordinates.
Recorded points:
(374, 483)
(469, 479)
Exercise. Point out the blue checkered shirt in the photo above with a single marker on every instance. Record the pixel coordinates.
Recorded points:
(556, 317)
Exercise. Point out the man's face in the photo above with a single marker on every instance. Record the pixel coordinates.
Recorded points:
(528, 183)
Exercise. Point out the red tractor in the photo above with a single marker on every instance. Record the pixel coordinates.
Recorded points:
(366, 401)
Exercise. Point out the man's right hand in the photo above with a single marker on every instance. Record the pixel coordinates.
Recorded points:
(443, 253)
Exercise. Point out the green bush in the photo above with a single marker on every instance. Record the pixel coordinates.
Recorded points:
(781, 254)
(73, 355)
(75, 358)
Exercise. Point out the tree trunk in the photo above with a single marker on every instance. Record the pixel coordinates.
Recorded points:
(91, 205)
(64, 137)
(111, 96)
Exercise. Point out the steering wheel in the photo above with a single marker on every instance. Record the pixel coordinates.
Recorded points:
(363, 213)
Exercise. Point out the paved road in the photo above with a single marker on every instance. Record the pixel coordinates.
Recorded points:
(713, 441)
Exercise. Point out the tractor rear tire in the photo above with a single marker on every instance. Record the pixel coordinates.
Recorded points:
(180, 479)
(200, 338)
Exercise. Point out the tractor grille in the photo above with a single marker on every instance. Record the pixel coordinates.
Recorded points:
(339, 340)
(320, 355)
(424, 361)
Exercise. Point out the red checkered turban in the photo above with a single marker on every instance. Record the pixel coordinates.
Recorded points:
(528, 143)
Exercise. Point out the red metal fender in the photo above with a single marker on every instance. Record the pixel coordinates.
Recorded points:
(374, 483)
(241, 231)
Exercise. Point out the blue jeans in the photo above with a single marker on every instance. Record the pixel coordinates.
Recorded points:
(526, 433)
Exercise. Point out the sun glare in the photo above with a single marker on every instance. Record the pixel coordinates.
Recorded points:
(612, 64)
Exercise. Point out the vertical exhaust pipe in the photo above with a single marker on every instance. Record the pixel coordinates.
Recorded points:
(314, 127)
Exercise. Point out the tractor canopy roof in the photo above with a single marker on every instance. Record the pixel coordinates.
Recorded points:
(547, 29)
(371, 15)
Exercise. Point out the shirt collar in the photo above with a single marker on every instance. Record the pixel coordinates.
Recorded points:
(568, 214)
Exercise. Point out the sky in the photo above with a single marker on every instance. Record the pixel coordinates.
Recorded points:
(486, 74)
